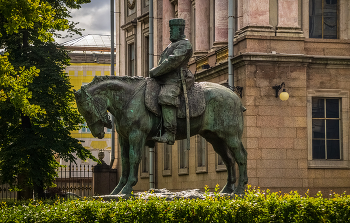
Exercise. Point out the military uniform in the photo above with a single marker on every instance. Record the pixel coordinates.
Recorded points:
(174, 58)
(168, 74)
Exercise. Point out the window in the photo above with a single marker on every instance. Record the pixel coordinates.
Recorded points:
(145, 163)
(201, 155)
(326, 128)
(167, 159)
(85, 129)
(131, 55)
(323, 21)
(327, 121)
(146, 56)
(219, 163)
(183, 157)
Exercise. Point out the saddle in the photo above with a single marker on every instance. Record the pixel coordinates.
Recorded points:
(195, 96)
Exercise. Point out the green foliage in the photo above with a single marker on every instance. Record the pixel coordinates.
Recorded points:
(36, 101)
(255, 206)
(42, 17)
(14, 88)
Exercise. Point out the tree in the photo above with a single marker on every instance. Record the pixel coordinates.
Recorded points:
(36, 101)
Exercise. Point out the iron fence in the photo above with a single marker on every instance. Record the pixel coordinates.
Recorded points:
(6, 193)
(75, 179)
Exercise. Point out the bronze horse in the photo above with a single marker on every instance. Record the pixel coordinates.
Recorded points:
(221, 124)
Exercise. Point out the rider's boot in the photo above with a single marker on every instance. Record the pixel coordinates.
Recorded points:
(169, 121)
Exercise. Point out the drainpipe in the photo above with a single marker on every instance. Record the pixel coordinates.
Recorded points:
(150, 59)
(112, 73)
(231, 31)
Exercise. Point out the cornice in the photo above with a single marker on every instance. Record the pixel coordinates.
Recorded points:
(242, 59)
(130, 24)
(212, 72)
(143, 17)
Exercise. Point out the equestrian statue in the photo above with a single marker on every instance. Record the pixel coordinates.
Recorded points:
(159, 108)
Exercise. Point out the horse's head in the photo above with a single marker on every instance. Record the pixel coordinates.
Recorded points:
(94, 110)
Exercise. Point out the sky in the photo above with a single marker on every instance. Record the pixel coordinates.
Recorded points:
(94, 17)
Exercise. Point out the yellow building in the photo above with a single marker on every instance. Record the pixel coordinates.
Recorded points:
(90, 57)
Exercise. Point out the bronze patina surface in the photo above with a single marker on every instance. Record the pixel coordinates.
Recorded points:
(172, 64)
(221, 124)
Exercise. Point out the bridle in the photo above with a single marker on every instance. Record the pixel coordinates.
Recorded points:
(97, 106)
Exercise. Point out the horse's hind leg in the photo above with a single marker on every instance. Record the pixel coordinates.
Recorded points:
(124, 147)
(240, 155)
(221, 149)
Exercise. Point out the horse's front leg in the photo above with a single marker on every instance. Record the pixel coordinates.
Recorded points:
(124, 147)
(137, 144)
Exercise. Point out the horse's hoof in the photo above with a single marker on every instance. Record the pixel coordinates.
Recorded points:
(228, 189)
(126, 191)
(239, 191)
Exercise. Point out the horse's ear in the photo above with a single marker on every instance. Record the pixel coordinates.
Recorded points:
(77, 94)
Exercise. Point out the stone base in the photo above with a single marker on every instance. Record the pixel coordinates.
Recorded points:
(167, 195)
(200, 53)
(217, 45)
(289, 31)
(255, 31)
(104, 179)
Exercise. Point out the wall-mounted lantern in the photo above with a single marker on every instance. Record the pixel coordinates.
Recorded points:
(284, 95)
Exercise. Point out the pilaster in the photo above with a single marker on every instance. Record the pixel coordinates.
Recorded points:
(221, 23)
(168, 13)
(288, 19)
(255, 18)
(184, 12)
(202, 27)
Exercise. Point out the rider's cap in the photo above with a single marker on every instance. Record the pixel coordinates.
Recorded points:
(176, 22)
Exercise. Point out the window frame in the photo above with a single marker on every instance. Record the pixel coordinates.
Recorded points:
(145, 53)
(322, 22)
(167, 172)
(324, 119)
(181, 144)
(131, 66)
(144, 174)
(219, 167)
(201, 144)
(86, 131)
(344, 119)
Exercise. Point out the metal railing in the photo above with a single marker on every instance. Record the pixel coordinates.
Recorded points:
(6, 193)
(75, 179)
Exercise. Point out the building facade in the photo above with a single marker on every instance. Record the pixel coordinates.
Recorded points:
(298, 144)
(90, 56)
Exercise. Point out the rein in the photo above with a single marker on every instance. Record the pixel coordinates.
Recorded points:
(139, 87)
(98, 106)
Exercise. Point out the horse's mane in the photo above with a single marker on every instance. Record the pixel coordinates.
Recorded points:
(125, 79)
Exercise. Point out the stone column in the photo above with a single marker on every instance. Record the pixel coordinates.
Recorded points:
(288, 18)
(202, 27)
(221, 22)
(184, 12)
(168, 13)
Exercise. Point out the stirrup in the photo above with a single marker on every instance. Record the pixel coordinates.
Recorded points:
(164, 138)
